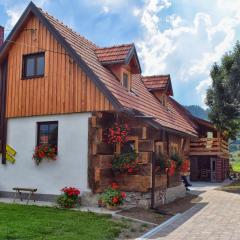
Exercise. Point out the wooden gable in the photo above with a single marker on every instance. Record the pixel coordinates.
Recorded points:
(65, 88)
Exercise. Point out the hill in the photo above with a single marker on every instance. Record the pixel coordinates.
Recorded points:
(197, 111)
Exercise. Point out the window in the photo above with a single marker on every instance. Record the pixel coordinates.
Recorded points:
(159, 153)
(125, 81)
(47, 133)
(174, 148)
(158, 148)
(209, 134)
(33, 65)
(130, 145)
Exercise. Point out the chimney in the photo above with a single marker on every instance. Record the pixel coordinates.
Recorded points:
(1, 35)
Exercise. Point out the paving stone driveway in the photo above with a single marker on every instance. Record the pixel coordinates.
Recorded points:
(216, 217)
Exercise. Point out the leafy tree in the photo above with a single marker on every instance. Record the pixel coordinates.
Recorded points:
(223, 96)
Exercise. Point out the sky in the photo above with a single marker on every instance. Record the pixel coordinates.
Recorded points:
(182, 38)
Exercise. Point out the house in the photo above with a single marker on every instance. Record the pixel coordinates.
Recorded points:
(209, 154)
(60, 89)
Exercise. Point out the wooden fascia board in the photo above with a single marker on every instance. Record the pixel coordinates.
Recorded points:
(132, 53)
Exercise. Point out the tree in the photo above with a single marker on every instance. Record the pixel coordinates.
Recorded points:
(223, 96)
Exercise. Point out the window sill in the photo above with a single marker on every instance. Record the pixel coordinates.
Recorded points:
(33, 77)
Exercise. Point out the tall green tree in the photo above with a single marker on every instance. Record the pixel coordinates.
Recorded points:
(223, 96)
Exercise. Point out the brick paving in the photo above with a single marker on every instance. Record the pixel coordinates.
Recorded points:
(216, 217)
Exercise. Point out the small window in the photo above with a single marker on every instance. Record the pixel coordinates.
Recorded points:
(33, 65)
(174, 148)
(47, 133)
(125, 81)
(158, 148)
(209, 134)
(130, 145)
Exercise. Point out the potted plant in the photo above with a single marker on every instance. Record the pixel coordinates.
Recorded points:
(172, 168)
(125, 162)
(185, 166)
(177, 159)
(112, 197)
(163, 162)
(69, 197)
(44, 151)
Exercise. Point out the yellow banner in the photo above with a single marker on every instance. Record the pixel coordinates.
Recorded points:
(11, 151)
(10, 154)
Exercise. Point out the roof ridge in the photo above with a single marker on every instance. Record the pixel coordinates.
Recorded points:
(159, 75)
(66, 26)
(114, 46)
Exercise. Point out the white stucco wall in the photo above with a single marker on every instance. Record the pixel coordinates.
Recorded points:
(71, 166)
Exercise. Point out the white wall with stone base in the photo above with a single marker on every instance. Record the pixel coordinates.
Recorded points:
(71, 166)
(174, 193)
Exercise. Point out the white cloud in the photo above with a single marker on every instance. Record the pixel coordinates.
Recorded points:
(190, 45)
(15, 9)
(13, 14)
(174, 20)
(105, 9)
(201, 90)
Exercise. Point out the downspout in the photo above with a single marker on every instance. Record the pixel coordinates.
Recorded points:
(153, 179)
(167, 141)
(3, 120)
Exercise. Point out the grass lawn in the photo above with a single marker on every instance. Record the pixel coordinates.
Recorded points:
(236, 166)
(232, 188)
(44, 223)
(236, 162)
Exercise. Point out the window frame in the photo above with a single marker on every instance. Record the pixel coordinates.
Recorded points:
(130, 139)
(129, 79)
(35, 56)
(46, 123)
(174, 146)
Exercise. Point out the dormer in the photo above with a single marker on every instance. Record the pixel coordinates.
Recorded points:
(122, 61)
(160, 86)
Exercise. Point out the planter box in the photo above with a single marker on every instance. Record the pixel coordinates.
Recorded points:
(134, 183)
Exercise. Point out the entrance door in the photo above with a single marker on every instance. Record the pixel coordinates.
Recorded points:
(213, 169)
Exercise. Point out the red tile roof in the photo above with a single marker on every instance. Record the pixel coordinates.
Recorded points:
(156, 82)
(140, 99)
(114, 54)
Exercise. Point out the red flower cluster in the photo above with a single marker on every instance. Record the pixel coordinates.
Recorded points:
(44, 151)
(114, 185)
(172, 168)
(118, 133)
(131, 167)
(185, 166)
(116, 200)
(71, 191)
(112, 196)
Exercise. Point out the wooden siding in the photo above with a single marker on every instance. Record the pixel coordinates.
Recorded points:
(65, 88)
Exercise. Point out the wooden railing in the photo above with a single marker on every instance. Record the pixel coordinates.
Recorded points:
(209, 146)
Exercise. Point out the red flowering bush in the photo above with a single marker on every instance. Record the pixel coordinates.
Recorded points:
(69, 197)
(125, 162)
(118, 133)
(185, 166)
(44, 151)
(112, 196)
(172, 168)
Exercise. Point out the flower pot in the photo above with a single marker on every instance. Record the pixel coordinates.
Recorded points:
(112, 208)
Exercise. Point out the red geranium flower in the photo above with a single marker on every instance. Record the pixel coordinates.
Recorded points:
(115, 200)
(123, 194)
(114, 185)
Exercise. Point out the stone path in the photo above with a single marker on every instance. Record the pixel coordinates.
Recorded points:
(216, 217)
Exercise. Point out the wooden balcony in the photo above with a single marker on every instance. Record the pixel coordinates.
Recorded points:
(209, 146)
